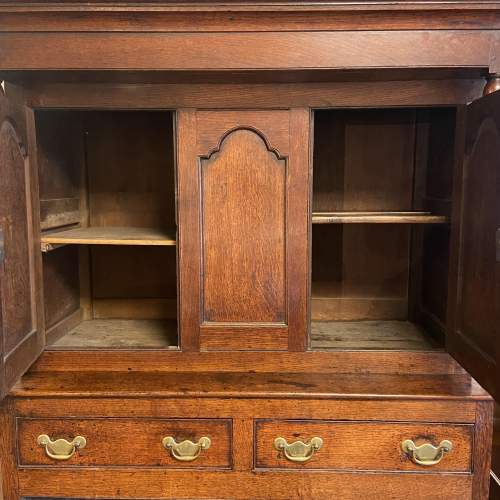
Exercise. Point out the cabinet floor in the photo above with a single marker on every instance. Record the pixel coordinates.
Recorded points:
(366, 335)
(121, 333)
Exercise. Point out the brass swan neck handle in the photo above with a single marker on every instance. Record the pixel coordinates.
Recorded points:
(426, 454)
(298, 451)
(186, 451)
(61, 449)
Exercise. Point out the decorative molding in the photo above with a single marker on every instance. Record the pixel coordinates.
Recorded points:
(238, 128)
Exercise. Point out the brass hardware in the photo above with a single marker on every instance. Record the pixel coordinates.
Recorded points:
(298, 451)
(186, 451)
(426, 454)
(60, 449)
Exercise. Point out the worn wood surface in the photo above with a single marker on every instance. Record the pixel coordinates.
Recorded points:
(410, 410)
(377, 218)
(106, 440)
(120, 334)
(391, 335)
(372, 410)
(361, 446)
(325, 362)
(109, 236)
(131, 483)
(241, 385)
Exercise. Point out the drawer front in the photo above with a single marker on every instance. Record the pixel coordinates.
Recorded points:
(359, 445)
(127, 442)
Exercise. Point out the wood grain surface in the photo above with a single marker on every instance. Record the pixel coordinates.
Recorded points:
(244, 385)
(362, 446)
(126, 442)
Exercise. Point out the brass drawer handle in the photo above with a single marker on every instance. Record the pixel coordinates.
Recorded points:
(186, 451)
(60, 449)
(426, 454)
(298, 451)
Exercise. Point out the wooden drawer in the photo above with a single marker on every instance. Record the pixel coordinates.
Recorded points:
(364, 446)
(126, 442)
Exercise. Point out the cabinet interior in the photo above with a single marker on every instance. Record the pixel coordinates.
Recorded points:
(107, 209)
(381, 203)
(382, 194)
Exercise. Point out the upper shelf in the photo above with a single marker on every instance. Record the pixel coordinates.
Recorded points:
(108, 236)
(378, 218)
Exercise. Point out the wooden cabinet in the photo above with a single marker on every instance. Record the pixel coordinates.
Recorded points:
(249, 250)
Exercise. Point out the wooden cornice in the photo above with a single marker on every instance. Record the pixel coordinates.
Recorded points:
(178, 16)
(239, 5)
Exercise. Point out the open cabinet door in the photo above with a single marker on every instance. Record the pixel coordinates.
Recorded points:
(21, 338)
(474, 321)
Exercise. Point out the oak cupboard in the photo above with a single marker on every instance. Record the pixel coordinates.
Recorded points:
(249, 250)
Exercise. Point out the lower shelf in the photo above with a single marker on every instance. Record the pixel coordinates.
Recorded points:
(369, 335)
(121, 333)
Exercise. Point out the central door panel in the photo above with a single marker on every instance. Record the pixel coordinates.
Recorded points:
(243, 217)
(243, 228)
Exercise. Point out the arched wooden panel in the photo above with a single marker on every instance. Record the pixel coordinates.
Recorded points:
(20, 336)
(243, 229)
(474, 336)
(16, 295)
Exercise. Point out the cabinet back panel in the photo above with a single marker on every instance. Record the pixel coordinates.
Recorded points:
(364, 160)
(130, 165)
(360, 271)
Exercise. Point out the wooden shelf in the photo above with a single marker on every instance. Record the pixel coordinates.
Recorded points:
(378, 218)
(108, 236)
